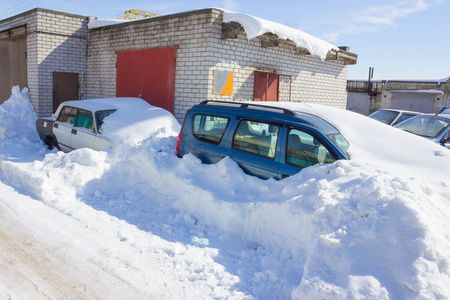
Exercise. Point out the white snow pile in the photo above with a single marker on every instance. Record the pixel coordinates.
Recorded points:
(133, 120)
(254, 27)
(106, 22)
(17, 117)
(373, 227)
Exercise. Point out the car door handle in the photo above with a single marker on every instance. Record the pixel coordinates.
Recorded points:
(283, 176)
(74, 131)
(200, 149)
(55, 125)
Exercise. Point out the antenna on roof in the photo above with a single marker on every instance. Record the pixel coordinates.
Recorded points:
(370, 90)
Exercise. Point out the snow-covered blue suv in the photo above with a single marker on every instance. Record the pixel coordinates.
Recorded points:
(265, 140)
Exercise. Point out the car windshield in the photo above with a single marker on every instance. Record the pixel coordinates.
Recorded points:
(340, 142)
(445, 110)
(403, 117)
(427, 126)
(385, 116)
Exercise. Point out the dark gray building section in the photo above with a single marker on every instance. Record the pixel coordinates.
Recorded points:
(426, 96)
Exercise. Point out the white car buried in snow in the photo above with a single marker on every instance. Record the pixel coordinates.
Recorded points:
(99, 124)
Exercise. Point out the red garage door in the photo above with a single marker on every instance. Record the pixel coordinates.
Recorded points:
(148, 74)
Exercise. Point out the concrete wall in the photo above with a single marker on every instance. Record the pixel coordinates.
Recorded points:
(385, 91)
(201, 50)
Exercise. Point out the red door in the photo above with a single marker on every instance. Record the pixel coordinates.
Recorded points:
(266, 86)
(148, 74)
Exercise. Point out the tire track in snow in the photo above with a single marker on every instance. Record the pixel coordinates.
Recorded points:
(31, 270)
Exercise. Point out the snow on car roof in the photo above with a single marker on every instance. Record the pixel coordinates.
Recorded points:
(104, 103)
(372, 141)
(133, 121)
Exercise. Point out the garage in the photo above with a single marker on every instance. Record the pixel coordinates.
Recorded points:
(13, 60)
(415, 100)
(148, 74)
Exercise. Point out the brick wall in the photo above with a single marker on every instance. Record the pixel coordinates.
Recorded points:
(190, 32)
(62, 45)
(313, 80)
(201, 50)
(56, 42)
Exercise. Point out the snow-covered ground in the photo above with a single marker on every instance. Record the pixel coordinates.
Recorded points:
(136, 222)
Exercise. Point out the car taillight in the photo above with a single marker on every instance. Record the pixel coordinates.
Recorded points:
(179, 144)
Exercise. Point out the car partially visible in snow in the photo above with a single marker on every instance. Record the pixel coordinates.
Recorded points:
(445, 110)
(393, 116)
(433, 127)
(80, 123)
(267, 140)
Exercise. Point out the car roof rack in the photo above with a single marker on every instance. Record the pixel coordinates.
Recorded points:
(250, 105)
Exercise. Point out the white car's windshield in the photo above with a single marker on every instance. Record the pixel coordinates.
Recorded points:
(426, 126)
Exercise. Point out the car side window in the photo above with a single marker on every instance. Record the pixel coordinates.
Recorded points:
(257, 138)
(304, 150)
(85, 119)
(209, 128)
(67, 115)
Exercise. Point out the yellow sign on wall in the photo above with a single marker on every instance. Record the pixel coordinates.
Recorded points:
(223, 82)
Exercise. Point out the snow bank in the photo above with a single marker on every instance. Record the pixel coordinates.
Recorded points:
(135, 120)
(371, 227)
(17, 116)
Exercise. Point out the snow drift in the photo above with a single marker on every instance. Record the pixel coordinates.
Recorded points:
(372, 227)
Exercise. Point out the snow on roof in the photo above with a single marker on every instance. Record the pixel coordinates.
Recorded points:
(419, 91)
(254, 27)
(438, 81)
(106, 22)
(5, 28)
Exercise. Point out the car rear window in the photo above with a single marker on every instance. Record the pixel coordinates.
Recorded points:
(209, 128)
(101, 115)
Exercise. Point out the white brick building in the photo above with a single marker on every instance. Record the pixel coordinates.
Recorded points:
(54, 42)
(174, 61)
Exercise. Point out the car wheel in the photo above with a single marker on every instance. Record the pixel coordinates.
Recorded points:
(51, 144)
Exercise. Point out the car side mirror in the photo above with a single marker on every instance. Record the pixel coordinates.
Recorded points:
(445, 141)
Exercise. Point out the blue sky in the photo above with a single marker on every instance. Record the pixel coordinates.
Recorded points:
(401, 39)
